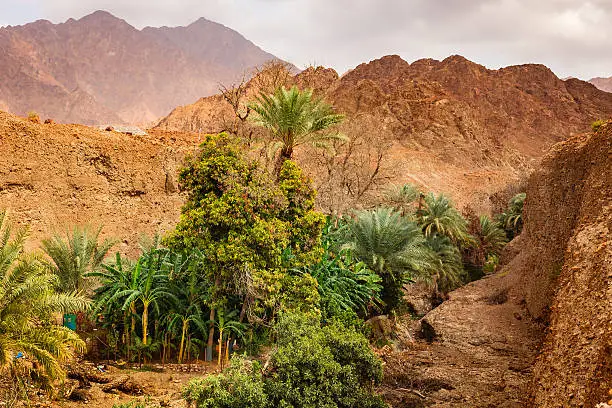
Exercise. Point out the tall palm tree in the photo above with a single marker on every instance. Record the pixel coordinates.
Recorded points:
(293, 118)
(27, 302)
(438, 216)
(76, 255)
(393, 247)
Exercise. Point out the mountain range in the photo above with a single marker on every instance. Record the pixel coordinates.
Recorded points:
(451, 126)
(100, 69)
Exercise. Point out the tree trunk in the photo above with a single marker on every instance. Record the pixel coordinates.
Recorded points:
(126, 334)
(243, 310)
(285, 154)
(132, 328)
(145, 322)
(182, 346)
(227, 347)
(211, 334)
(220, 346)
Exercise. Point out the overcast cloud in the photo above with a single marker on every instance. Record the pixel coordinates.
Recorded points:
(572, 37)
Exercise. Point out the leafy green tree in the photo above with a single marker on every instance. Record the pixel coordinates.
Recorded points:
(240, 386)
(293, 118)
(438, 216)
(75, 255)
(242, 221)
(393, 247)
(316, 366)
(28, 301)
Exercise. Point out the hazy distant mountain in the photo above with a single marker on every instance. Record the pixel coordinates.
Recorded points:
(605, 84)
(101, 69)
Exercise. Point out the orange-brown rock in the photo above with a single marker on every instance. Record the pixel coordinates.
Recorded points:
(453, 125)
(55, 177)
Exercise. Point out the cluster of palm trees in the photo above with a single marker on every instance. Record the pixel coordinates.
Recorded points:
(30, 296)
(418, 237)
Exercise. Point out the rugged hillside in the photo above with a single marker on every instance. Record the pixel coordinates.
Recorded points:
(537, 334)
(568, 270)
(605, 84)
(451, 125)
(57, 176)
(101, 69)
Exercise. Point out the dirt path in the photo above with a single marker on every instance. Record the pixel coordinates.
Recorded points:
(155, 386)
(483, 346)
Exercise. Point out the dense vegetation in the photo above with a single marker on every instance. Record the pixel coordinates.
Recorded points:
(251, 263)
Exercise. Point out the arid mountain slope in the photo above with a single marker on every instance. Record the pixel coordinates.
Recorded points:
(537, 334)
(452, 126)
(605, 84)
(53, 177)
(101, 69)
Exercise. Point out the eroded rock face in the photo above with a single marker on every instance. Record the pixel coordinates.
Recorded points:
(568, 272)
(53, 177)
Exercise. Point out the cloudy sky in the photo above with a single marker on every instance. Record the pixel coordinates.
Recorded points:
(573, 37)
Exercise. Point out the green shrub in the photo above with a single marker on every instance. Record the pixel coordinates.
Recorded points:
(597, 125)
(491, 264)
(312, 366)
(240, 386)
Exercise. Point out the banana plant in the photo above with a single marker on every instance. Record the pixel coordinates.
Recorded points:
(227, 324)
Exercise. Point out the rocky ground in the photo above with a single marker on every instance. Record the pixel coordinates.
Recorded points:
(474, 350)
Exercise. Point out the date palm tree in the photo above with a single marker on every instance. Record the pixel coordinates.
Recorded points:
(28, 300)
(294, 118)
(438, 216)
(449, 272)
(512, 219)
(393, 247)
(403, 198)
(75, 255)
